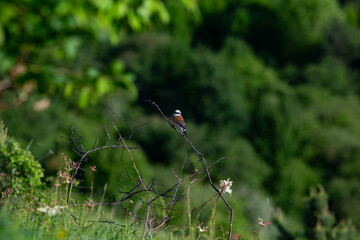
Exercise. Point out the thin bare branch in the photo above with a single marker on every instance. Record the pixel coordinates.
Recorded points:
(205, 164)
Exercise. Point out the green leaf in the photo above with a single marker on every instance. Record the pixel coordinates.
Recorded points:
(144, 11)
(92, 72)
(120, 8)
(84, 97)
(190, 4)
(134, 21)
(68, 90)
(71, 47)
(163, 13)
(117, 67)
(103, 86)
(128, 81)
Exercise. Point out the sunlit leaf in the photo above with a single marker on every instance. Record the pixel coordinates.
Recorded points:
(84, 97)
(190, 4)
(144, 11)
(68, 90)
(103, 85)
(163, 13)
(120, 9)
(117, 67)
(134, 21)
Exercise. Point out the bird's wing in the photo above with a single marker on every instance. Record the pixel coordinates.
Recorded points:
(179, 120)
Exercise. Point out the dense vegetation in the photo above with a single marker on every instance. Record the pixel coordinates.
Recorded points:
(273, 84)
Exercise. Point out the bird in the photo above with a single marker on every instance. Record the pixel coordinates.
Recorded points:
(179, 121)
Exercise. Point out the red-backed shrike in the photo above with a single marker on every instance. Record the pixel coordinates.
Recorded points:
(179, 121)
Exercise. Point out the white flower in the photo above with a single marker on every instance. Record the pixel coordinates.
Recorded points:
(51, 211)
(201, 228)
(225, 186)
(262, 223)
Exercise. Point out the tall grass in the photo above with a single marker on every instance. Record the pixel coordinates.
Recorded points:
(19, 220)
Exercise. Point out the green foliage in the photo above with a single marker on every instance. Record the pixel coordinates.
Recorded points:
(46, 45)
(342, 42)
(321, 222)
(19, 221)
(332, 74)
(183, 22)
(294, 127)
(113, 163)
(3, 133)
(9, 231)
(273, 85)
(351, 13)
(307, 19)
(279, 30)
(342, 190)
(295, 178)
(22, 171)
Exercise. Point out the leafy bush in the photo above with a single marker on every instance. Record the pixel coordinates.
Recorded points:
(321, 223)
(19, 165)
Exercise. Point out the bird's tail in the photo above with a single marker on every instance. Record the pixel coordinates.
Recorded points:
(184, 131)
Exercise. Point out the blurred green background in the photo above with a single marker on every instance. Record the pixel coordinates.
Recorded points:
(272, 83)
